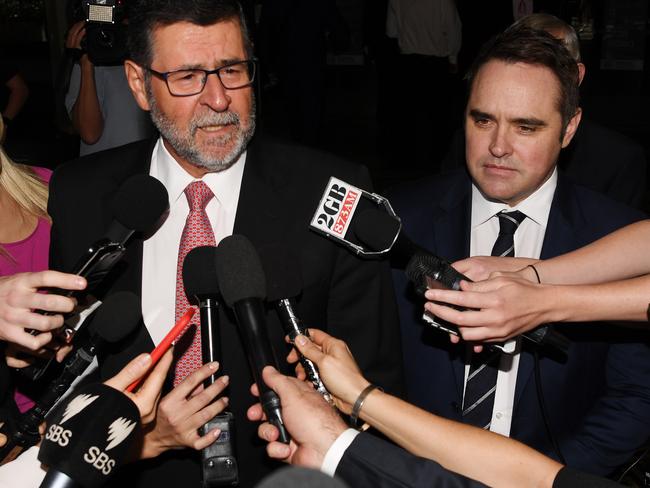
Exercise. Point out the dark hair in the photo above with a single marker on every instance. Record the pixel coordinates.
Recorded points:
(519, 44)
(146, 15)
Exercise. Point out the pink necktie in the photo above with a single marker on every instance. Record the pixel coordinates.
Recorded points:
(197, 232)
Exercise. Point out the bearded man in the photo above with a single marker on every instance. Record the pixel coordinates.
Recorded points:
(191, 66)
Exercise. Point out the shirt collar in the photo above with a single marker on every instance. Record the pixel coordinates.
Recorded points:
(536, 207)
(224, 184)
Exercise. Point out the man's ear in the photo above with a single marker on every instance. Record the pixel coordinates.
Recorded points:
(135, 76)
(571, 128)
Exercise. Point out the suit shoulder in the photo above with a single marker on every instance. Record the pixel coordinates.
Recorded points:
(602, 211)
(117, 161)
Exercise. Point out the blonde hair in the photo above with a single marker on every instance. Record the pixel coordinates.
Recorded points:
(23, 185)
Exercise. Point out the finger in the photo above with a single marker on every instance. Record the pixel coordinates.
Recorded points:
(255, 413)
(19, 363)
(268, 432)
(318, 337)
(206, 414)
(156, 378)
(199, 401)
(28, 342)
(63, 352)
(293, 356)
(188, 385)
(255, 390)
(207, 439)
(134, 370)
(308, 349)
(278, 450)
(454, 339)
(55, 279)
(464, 318)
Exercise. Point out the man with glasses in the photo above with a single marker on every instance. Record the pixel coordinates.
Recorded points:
(191, 67)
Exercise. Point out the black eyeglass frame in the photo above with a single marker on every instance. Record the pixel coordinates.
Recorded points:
(217, 71)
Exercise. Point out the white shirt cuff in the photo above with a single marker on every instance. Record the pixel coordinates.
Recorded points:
(336, 451)
(23, 472)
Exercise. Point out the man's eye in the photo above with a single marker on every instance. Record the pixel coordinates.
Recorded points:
(527, 129)
(482, 122)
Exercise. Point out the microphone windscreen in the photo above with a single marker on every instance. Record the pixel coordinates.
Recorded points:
(375, 229)
(117, 316)
(140, 202)
(239, 270)
(200, 273)
(90, 435)
(292, 476)
(282, 270)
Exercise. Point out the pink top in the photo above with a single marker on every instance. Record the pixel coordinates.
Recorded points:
(29, 254)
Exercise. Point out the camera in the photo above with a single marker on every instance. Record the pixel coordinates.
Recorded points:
(105, 40)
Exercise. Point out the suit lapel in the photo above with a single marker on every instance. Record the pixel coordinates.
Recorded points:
(452, 243)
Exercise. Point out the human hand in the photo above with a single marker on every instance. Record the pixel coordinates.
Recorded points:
(479, 268)
(312, 423)
(336, 365)
(182, 411)
(497, 309)
(20, 296)
(147, 396)
(76, 33)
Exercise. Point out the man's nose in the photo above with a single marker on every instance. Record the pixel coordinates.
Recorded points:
(214, 94)
(500, 145)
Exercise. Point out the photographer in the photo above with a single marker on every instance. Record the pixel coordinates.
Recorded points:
(98, 99)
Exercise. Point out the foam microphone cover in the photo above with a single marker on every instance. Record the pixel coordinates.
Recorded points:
(239, 270)
(292, 476)
(200, 273)
(117, 317)
(140, 203)
(282, 270)
(89, 436)
(375, 229)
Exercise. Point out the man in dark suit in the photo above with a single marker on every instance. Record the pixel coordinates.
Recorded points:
(598, 157)
(522, 110)
(191, 68)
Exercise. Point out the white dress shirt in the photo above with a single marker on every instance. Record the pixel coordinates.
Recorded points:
(160, 252)
(529, 238)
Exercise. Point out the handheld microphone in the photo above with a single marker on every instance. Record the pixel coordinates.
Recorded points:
(242, 284)
(113, 321)
(218, 461)
(138, 206)
(379, 230)
(88, 438)
(283, 284)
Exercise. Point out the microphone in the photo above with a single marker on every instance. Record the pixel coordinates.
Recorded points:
(113, 321)
(138, 206)
(242, 284)
(218, 461)
(283, 284)
(88, 438)
(378, 230)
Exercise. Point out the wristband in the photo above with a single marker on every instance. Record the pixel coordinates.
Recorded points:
(539, 282)
(356, 409)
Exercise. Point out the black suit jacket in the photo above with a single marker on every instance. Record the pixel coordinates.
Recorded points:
(598, 158)
(280, 191)
(598, 399)
(372, 462)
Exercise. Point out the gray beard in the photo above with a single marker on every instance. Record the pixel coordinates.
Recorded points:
(183, 141)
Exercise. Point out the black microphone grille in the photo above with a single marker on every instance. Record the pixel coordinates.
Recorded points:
(140, 202)
(239, 270)
(421, 266)
(200, 273)
(90, 435)
(117, 316)
(375, 229)
(282, 269)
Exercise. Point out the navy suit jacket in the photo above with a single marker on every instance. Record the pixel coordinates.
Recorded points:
(598, 399)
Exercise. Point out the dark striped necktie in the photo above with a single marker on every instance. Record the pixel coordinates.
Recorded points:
(478, 401)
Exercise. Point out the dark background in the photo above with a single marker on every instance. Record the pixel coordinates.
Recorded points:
(616, 92)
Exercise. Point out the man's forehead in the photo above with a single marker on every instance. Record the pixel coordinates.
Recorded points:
(197, 45)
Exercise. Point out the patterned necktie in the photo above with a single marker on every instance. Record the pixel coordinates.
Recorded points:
(197, 232)
(481, 385)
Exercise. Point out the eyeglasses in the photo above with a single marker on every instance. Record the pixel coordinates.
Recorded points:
(188, 82)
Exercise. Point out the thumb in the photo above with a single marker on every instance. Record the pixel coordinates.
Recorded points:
(308, 349)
